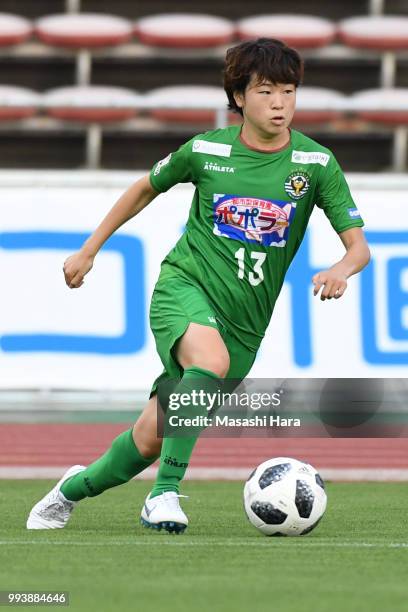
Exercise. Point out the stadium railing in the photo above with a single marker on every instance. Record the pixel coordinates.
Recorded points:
(375, 7)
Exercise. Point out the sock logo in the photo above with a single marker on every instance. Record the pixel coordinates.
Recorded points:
(88, 485)
(173, 461)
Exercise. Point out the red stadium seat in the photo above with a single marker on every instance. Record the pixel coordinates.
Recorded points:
(92, 103)
(168, 103)
(384, 32)
(94, 106)
(83, 30)
(17, 103)
(13, 29)
(301, 31)
(184, 30)
(387, 106)
(317, 105)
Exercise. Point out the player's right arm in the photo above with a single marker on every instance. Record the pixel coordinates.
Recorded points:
(173, 169)
(137, 197)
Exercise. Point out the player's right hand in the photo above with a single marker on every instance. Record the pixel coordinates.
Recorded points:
(75, 268)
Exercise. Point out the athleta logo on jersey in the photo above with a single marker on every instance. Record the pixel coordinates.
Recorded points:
(216, 168)
(297, 185)
(263, 221)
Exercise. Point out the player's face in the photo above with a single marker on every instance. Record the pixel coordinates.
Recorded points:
(268, 107)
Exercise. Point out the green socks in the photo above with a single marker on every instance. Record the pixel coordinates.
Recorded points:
(118, 465)
(122, 460)
(176, 451)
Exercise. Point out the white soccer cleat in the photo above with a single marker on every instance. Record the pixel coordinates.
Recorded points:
(54, 510)
(164, 512)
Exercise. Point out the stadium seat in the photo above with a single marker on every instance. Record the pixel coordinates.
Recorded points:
(92, 103)
(166, 103)
(388, 107)
(303, 31)
(94, 106)
(318, 105)
(181, 30)
(13, 29)
(385, 33)
(17, 103)
(82, 32)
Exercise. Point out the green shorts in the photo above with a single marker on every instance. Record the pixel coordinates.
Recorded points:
(177, 302)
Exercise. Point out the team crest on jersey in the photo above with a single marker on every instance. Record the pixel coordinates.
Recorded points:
(262, 221)
(297, 184)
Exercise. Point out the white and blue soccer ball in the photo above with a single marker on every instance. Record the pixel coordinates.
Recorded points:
(284, 497)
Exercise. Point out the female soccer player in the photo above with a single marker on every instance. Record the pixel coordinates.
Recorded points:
(256, 185)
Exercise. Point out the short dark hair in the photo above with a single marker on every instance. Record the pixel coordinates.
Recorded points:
(266, 58)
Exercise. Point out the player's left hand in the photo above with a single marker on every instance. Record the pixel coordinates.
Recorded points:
(333, 281)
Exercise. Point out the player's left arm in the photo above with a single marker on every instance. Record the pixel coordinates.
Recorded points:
(334, 280)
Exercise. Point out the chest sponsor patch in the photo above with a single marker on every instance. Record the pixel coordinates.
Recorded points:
(310, 157)
(297, 184)
(211, 148)
(260, 221)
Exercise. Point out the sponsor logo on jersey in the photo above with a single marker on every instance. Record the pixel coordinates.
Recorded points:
(212, 148)
(310, 157)
(261, 221)
(354, 213)
(216, 168)
(297, 184)
(161, 163)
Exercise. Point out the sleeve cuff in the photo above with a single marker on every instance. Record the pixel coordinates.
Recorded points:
(343, 228)
(153, 182)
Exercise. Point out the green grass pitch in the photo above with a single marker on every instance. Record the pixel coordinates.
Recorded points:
(355, 560)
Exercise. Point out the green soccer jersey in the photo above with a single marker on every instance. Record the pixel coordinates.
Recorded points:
(248, 216)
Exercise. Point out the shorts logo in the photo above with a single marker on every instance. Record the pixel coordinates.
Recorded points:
(161, 163)
(261, 221)
(354, 213)
(212, 148)
(310, 157)
(297, 185)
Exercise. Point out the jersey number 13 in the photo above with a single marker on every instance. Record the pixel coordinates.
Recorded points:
(256, 276)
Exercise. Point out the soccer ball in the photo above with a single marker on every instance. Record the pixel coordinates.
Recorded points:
(284, 496)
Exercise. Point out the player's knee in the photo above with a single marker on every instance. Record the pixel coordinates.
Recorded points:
(203, 347)
(218, 363)
(147, 444)
(150, 449)
(221, 365)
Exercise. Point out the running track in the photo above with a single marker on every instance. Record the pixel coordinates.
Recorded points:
(44, 450)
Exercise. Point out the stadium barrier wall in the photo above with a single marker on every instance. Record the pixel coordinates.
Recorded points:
(97, 337)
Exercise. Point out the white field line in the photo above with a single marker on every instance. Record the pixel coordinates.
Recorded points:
(181, 542)
(241, 474)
